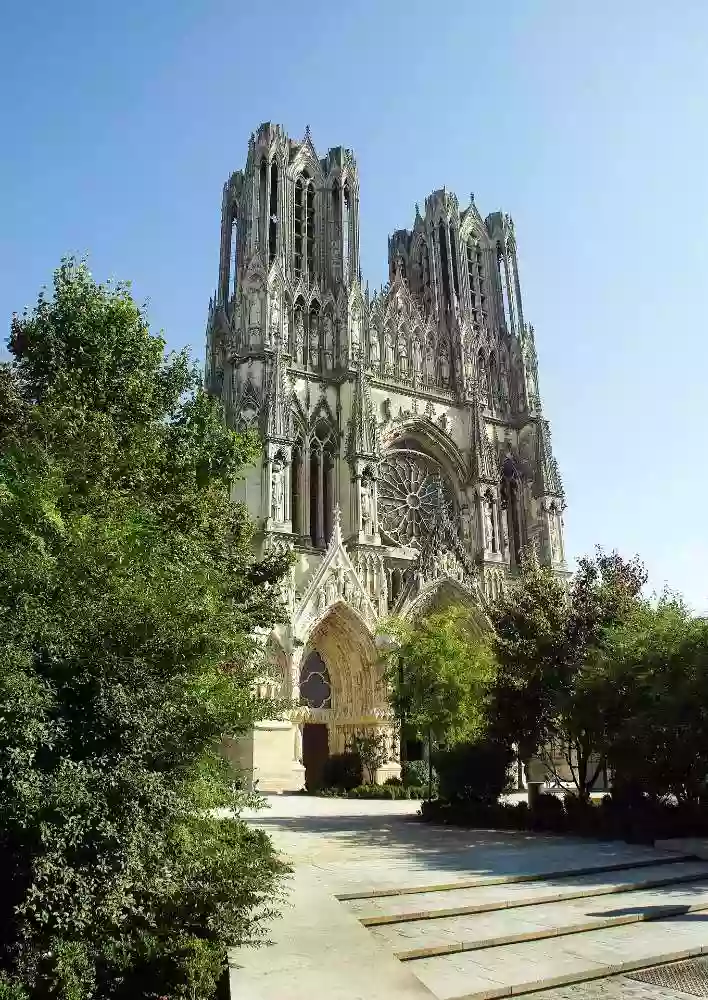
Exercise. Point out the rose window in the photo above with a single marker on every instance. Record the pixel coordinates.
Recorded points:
(412, 490)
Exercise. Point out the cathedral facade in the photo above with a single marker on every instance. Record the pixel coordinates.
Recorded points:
(406, 459)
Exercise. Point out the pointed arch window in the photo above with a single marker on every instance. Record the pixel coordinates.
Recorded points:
(442, 236)
(455, 275)
(322, 487)
(262, 202)
(478, 280)
(310, 227)
(233, 262)
(273, 213)
(346, 215)
(511, 510)
(299, 223)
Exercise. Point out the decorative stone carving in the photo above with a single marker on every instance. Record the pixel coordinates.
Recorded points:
(328, 343)
(299, 338)
(314, 342)
(374, 349)
(277, 493)
(367, 507)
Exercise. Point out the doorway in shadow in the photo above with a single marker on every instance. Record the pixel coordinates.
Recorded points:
(315, 751)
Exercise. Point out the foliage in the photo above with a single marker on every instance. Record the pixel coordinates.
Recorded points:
(128, 597)
(417, 772)
(549, 694)
(372, 750)
(439, 674)
(343, 770)
(372, 791)
(655, 670)
(473, 772)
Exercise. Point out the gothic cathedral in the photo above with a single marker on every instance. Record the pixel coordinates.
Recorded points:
(406, 459)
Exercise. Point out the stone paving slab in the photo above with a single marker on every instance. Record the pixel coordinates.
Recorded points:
(521, 968)
(318, 951)
(523, 893)
(321, 950)
(410, 939)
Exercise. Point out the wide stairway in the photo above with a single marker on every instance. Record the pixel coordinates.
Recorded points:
(497, 936)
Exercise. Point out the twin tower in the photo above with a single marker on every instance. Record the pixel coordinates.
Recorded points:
(406, 460)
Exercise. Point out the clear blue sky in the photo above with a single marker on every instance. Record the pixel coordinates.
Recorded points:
(588, 122)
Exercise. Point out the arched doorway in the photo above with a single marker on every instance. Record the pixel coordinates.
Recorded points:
(341, 689)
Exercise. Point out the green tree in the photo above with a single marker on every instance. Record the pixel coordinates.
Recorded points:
(128, 596)
(656, 671)
(551, 694)
(439, 673)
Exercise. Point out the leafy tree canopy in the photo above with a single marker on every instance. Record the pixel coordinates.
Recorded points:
(129, 598)
(439, 673)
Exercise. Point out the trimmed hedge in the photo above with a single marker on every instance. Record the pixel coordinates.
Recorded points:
(640, 822)
(375, 792)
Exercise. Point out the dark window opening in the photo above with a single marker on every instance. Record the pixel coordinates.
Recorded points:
(273, 217)
(310, 229)
(455, 276)
(299, 225)
(444, 264)
(262, 207)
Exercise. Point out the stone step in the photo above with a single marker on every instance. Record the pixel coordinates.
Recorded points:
(475, 883)
(450, 935)
(511, 970)
(487, 898)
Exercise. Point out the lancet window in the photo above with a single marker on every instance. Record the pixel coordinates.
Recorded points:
(478, 281)
(322, 453)
(273, 213)
(511, 511)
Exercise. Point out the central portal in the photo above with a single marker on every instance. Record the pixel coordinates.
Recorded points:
(315, 751)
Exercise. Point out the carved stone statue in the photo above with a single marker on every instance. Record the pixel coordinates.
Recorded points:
(445, 368)
(367, 505)
(254, 316)
(286, 328)
(374, 348)
(355, 338)
(429, 363)
(314, 342)
(277, 494)
(403, 355)
(328, 342)
(389, 359)
(274, 330)
(489, 524)
(417, 355)
(299, 338)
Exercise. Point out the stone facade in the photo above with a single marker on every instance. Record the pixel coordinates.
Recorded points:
(406, 457)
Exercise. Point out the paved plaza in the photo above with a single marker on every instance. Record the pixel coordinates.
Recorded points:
(383, 906)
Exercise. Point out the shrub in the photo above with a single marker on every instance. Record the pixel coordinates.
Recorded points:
(415, 772)
(393, 780)
(473, 772)
(547, 813)
(343, 770)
